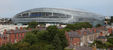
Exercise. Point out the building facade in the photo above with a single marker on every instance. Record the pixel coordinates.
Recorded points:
(57, 16)
(87, 36)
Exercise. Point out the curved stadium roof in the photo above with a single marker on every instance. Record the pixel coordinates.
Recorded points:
(73, 12)
(58, 15)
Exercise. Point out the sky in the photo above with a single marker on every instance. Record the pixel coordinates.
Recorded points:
(8, 8)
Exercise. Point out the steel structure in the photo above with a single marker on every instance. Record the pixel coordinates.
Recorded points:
(57, 16)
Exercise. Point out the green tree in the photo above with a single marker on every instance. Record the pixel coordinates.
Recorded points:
(50, 39)
(22, 45)
(30, 38)
(62, 37)
(41, 46)
(32, 24)
(52, 31)
(70, 27)
(43, 36)
(99, 44)
(79, 25)
(111, 20)
(109, 43)
(49, 47)
(98, 25)
(9, 46)
(57, 43)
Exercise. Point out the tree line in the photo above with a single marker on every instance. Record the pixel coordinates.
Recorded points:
(50, 39)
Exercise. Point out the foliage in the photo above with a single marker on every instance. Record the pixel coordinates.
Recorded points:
(50, 39)
(32, 24)
(68, 49)
(79, 25)
(62, 37)
(98, 25)
(9, 46)
(111, 21)
(30, 38)
(41, 46)
(98, 44)
(57, 43)
(22, 46)
(107, 44)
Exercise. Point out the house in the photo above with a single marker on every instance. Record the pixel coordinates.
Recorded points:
(84, 37)
(12, 36)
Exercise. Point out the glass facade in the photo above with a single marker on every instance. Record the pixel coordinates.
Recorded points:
(57, 15)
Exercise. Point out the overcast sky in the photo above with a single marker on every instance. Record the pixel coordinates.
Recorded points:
(8, 8)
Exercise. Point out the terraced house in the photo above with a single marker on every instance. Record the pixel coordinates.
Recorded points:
(84, 37)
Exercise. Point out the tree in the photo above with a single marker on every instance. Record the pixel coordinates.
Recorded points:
(62, 37)
(41, 46)
(30, 38)
(99, 44)
(22, 45)
(50, 39)
(43, 36)
(98, 25)
(57, 43)
(111, 21)
(70, 27)
(35, 32)
(52, 31)
(79, 25)
(49, 47)
(9, 46)
(107, 44)
(110, 40)
(32, 24)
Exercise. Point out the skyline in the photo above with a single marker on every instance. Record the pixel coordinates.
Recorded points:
(11, 7)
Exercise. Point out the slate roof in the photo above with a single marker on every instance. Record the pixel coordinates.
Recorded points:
(73, 34)
(83, 48)
(17, 31)
(1, 35)
(101, 37)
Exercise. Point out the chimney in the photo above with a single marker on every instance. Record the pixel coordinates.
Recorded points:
(23, 35)
(17, 38)
(79, 32)
(11, 31)
(20, 36)
(67, 37)
(85, 33)
(16, 28)
(21, 28)
(71, 31)
(83, 28)
(101, 33)
(90, 30)
(0, 41)
(29, 29)
(95, 30)
(4, 31)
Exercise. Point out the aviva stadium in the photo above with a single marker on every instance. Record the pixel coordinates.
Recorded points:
(57, 16)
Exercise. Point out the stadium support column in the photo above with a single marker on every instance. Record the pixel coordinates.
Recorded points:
(29, 13)
(71, 19)
(21, 14)
(52, 14)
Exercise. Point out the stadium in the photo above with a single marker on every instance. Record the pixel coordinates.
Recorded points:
(57, 16)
